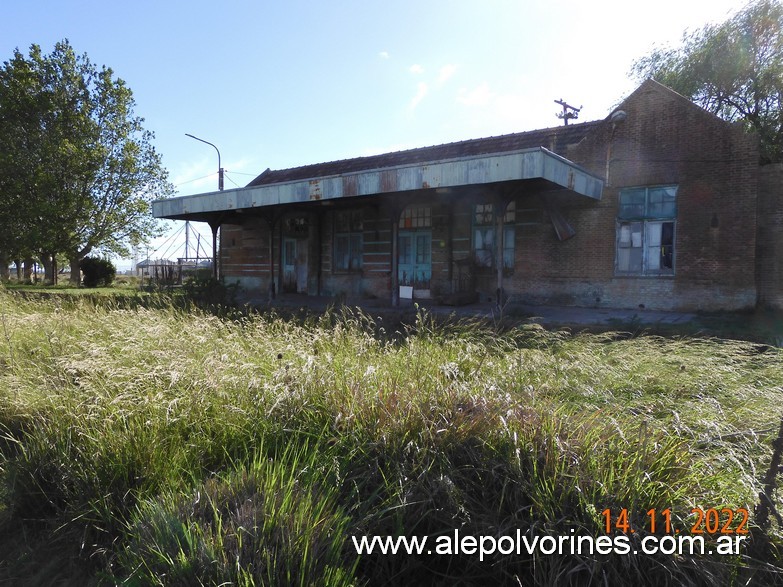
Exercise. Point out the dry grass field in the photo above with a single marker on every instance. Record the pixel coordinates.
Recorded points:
(151, 445)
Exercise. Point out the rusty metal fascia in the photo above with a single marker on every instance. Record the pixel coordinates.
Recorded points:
(496, 167)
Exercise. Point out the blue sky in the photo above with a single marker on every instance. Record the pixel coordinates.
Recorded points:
(285, 83)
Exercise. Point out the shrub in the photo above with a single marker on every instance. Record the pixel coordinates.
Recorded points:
(206, 291)
(97, 272)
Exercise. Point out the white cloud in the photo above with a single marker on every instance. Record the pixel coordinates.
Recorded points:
(421, 93)
(481, 95)
(416, 69)
(446, 72)
(383, 54)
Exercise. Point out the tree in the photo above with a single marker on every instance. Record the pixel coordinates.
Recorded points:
(733, 69)
(77, 171)
(21, 129)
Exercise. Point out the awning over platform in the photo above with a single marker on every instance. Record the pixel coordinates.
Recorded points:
(552, 170)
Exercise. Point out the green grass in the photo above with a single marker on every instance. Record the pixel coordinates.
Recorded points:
(123, 287)
(759, 325)
(147, 445)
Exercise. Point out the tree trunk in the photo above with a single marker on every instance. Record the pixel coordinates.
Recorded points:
(28, 269)
(50, 270)
(18, 263)
(76, 274)
(5, 269)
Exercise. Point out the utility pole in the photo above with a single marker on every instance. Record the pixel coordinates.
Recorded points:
(569, 112)
(187, 238)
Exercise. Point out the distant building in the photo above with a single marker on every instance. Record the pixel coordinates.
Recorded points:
(661, 205)
(157, 269)
(169, 271)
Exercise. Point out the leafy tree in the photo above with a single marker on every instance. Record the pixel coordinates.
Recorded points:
(77, 170)
(21, 129)
(733, 69)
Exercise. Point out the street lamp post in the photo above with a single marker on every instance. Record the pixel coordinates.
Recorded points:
(220, 167)
(213, 225)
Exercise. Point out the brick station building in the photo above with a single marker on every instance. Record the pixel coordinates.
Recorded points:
(661, 205)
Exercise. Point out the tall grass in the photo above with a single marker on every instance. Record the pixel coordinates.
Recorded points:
(150, 445)
(272, 521)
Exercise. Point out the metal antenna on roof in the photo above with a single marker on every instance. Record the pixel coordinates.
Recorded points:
(569, 112)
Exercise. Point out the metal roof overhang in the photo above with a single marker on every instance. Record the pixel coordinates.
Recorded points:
(527, 164)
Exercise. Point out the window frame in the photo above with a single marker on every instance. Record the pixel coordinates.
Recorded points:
(416, 216)
(296, 226)
(484, 221)
(645, 208)
(348, 234)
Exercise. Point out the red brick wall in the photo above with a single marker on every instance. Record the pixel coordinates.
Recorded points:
(769, 245)
(665, 139)
(244, 252)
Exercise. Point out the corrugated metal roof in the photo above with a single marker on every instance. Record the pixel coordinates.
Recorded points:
(556, 139)
(535, 155)
(538, 164)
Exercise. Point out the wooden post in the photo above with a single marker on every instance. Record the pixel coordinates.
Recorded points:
(395, 278)
(270, 220)
(215, 226)
(499, 214)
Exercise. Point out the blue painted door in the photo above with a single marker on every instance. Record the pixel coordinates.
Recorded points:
(415, 260)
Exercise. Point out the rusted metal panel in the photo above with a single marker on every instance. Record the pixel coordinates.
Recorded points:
(350, 185)
(268, 196)
(300, 192)
(505, 168)
(432, 176)
(369, 183)
(408, 178)
(245, 200)
(476, 170)
(220, 200)
(531, 164)
(450, 175)
(332, 187)
(315, 189)
(388, 180)
(563, 229)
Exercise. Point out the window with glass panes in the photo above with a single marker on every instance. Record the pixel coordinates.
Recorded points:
(645, 230)
(416, 217)
(347, 240)
(485, 233)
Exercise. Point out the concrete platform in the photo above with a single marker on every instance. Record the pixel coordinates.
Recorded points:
(544, 315)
